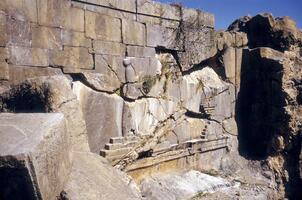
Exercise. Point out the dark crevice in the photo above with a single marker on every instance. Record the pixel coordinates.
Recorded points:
(201, 115)
(15, 181)
(145, 154)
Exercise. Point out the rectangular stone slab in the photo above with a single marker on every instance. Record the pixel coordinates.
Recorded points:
(34, 155)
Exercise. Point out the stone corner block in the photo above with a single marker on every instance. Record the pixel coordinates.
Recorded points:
(34, 155)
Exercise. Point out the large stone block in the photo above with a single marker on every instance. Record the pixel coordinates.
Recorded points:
(229, 60)
(34, 155)
(195, 19)
(102, 113)
(4, 54)
(137, 51)
(111, 12)
(158, 21)
(19, 74)
(24, 10)
(4, 71)
(75, 39)
(148, 7)
(74, 19)
(112, 67)
(239, 61)
(109, 48)
(129, 5)
(52, 12)
(93, 178)
(72, 57)
(48, 94)
(103, 81)
(18, 32)
(28, 56)
(199, 45)
(144, 66)
(3, 30)
(158, 36)
(102, 27)
(46, 38)
(133, 33)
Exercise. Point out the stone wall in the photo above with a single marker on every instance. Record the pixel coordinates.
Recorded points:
(95, 36)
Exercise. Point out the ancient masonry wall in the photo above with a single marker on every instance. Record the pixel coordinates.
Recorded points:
(91, 35)
(135, 73)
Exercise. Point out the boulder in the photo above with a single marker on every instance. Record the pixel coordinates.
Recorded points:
(35, 159)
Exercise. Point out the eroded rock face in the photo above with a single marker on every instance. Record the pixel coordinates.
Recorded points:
(264, 30)
(266, 93)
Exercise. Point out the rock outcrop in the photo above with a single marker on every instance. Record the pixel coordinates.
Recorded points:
(99, 98)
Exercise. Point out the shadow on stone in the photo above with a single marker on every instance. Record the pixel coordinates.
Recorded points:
(26, 98)
(259, 108)
(15, 182)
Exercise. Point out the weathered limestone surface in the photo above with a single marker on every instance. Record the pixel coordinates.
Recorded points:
(102, 27)
(35, 155)
(181, 186)
(133, 33)
(18, 74)
(28, 56)
(72, 57)
(68, 34)
(93, 178)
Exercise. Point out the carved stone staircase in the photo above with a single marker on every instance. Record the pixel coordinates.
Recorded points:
(118, 147)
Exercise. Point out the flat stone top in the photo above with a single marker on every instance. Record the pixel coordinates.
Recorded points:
(21, 133)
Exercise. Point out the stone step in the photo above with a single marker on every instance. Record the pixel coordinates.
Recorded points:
(202, 137)
(115, 140)
(122, 151)
(114, 158)
(190, 143)
(116, 146)
(165, 146)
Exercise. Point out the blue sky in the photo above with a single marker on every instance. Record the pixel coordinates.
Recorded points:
(226, 11)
